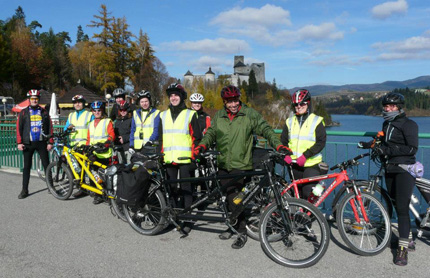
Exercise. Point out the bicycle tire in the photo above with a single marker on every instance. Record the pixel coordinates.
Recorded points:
(381, 195)
(366, 239)
(309, 239)
(118, 209)
(148, 220)
(59, 179)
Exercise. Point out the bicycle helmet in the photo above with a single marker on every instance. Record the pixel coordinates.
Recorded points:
(143, 94)
(196, 97)
(124, 105)
(33, 93)
(300, 96)
(393, 98)
(118, 92)
(97, 105)
(79, 98)
(230, 92)
(178, 89)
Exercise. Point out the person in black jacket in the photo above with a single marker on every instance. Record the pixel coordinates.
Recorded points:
(122, 130)
(398, 147)
(32, 129)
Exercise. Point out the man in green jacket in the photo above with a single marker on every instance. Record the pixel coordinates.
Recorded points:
(233, 130)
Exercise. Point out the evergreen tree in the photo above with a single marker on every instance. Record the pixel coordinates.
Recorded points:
(252, 85)
(81, 36)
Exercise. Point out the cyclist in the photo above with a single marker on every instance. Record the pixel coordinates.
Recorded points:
(32, 127)
(144, 125)
(232, 130)
(197, 100)
(100, 130)
(399, 146)
(78, 120)
(120, 95)
(179, 131)
(305, 134)
(122, 130)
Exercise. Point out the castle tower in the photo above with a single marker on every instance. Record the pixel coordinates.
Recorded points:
(188, 79)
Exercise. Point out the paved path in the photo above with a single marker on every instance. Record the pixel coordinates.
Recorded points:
(44, 237)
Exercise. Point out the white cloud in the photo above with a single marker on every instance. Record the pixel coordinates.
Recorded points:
(335, 60)
(319, 32)
(387, 9)
(409, 49)
(267, 16)
(220, 45)
(202, 64)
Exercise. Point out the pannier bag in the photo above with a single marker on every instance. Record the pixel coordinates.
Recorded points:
(133, 185)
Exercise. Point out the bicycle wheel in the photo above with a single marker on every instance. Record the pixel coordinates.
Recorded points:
(59, 179)
(364, 238)
(118, 209)
(39, 166)
(149, 219)
(308, 240)
(363, 185)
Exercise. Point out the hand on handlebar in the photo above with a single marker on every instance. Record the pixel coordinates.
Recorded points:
(288, 159)
(199, 150)
(301, 160)
(364, 145)
(284, 149)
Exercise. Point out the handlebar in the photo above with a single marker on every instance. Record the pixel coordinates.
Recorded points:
(350, 162)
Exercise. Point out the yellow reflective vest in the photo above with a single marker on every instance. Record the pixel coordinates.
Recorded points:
(177, 141)
(100, 134)
(144, 125)
(81, 124)
(302, 138)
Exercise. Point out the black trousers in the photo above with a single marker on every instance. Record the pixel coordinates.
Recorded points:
(400, 187)
(231, 192)
(305, 172)
(29, 149)
(185, 191)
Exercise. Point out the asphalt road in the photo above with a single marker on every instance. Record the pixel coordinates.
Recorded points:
(44, 237)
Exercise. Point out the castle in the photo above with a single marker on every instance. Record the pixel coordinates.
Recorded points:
(240, 74)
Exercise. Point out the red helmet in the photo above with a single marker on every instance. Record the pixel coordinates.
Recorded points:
(300, 96)
(229, 92)
(33, 93)
(124, 105)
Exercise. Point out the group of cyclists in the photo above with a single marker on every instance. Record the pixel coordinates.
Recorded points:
(187, 132)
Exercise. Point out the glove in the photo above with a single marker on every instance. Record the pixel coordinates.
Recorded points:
(301, 161)
(284, 149)
(381, 150)
(364, 145)
(131, 151)
(288, 159)
(148, 144)
(199, 150)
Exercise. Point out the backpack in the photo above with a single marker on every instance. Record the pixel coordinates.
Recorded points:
(133, 185)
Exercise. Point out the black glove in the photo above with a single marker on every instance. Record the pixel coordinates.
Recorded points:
(381, 150)
(364, 145)
(148, 144)
(199, 150)
(284, 150)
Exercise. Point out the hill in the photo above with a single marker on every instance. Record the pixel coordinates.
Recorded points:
(419, 82)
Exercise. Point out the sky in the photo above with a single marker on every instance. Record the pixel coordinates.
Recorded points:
(301, 42)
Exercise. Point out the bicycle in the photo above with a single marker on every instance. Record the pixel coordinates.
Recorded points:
(294, 233)
(374, 186)
(73, 170)
(362, 220)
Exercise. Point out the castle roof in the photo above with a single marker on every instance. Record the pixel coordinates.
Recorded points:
(210, 71)
(239, 64)
(188, 73)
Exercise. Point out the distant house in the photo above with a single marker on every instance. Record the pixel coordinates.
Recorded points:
(423, 91)
(65, 101)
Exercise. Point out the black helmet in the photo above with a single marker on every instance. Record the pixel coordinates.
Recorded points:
(393, 98)
(118, 92)
(178, 89)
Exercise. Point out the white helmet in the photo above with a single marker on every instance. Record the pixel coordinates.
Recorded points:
(196, 97)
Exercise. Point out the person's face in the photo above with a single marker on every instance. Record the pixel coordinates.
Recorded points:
(301, 108)
(232, 105)
(97, 113)
(119, 100)
(78, 105)
(123, 113)
(144, 103)
(196, 106)
(174, 99)
(34, 101)
(390, 108)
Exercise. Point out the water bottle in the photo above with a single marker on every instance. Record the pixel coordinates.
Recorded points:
(316, 192)
(96, 176)
(248, 187)
(75, 164)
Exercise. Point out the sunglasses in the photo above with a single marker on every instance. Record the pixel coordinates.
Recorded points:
(300, 104)
(123, 110)
(34, 98)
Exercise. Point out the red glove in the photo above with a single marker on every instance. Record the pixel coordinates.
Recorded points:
(284, 149)
(288, 159)
(199, 150)
(301, 161)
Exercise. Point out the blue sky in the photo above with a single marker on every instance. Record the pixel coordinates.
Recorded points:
(301, 42)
